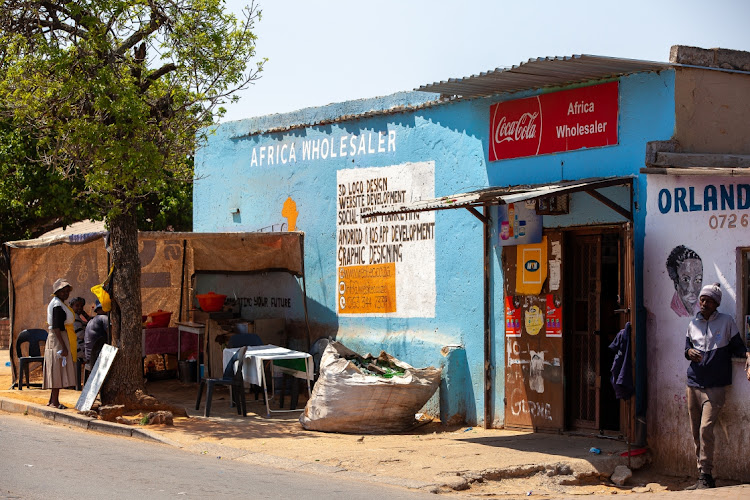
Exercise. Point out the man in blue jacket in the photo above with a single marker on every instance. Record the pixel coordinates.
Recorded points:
(712, 339)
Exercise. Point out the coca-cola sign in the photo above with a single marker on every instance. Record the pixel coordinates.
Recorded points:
(550, 123)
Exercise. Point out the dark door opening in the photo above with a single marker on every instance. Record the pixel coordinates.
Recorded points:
(594, 277)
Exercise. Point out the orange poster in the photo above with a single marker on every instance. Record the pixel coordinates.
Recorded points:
(531, 267)
(367, 289)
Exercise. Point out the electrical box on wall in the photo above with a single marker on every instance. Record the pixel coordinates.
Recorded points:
(553, 205)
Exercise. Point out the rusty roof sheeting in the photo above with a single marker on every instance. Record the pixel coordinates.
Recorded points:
(345, 118)
(536, 73)
(542, 72)
(502, 195)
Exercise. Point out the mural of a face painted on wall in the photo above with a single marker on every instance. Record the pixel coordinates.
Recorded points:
(685, 268)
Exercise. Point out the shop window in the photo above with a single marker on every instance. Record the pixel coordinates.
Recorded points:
(745, 294)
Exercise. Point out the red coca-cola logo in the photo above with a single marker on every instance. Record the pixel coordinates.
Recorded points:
(523, 128)
(516, 129)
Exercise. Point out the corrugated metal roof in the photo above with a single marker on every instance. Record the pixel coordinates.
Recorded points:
(502, 195)
(344, 118)
(82, 227)
(542, 72)
(536, 73)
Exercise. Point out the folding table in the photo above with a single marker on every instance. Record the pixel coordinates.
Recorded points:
(253, 372)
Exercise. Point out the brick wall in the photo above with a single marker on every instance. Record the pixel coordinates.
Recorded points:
(4, 333)
(710, 58)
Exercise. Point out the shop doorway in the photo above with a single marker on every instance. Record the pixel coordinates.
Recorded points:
(596, 306)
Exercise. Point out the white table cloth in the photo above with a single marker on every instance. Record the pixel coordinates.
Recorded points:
(252, 368)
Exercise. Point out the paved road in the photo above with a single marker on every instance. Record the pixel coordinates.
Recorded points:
(41, 460)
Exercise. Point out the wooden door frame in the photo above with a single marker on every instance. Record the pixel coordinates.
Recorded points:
(627, 303)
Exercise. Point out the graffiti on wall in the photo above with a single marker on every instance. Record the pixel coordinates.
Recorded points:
(519, 405)
(386, 264)
(685, 268)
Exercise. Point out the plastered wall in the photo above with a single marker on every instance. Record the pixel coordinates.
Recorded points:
(248, 182)
(712, 228)
(712, 111)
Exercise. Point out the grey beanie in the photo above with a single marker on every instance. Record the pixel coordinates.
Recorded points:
(713, 291)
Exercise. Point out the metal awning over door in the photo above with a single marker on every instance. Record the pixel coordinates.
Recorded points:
(514, 194)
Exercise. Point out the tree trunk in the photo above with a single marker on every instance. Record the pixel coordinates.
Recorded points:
(126, 374)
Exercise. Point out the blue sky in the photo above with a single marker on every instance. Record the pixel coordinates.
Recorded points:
(335, 50)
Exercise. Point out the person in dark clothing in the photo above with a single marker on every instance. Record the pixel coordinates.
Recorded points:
(97, 330)
(712, 339)
(79, 322)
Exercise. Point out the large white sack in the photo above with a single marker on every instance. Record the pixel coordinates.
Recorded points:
(345, 399)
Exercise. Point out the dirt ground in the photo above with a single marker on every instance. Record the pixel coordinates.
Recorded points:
(476, 461)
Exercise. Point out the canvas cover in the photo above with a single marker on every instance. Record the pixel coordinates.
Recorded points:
(168, 260)
(246, 252)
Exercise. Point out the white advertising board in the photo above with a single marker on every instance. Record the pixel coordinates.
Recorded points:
(385, 266)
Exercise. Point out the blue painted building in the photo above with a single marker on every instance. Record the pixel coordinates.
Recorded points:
(431, 277)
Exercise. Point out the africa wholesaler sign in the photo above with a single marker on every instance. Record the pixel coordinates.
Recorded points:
(556, 122)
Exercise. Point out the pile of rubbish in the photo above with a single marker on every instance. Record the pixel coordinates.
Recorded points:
(379, 368)
(367, 395)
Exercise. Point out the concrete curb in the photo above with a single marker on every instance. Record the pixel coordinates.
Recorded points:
(82, 421)
(74, 420)
(12, 406)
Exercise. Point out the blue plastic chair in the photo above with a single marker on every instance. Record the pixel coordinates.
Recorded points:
(32, 337)
(232, 378)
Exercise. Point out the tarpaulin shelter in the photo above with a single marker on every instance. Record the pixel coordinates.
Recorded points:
(169, 260)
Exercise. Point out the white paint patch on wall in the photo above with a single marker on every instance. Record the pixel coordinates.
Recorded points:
(386, 265)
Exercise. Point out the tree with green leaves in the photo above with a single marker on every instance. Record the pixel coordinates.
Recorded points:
(117, 95)
(34, 199)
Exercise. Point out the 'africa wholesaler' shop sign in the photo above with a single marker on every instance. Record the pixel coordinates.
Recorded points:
(556, 122)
